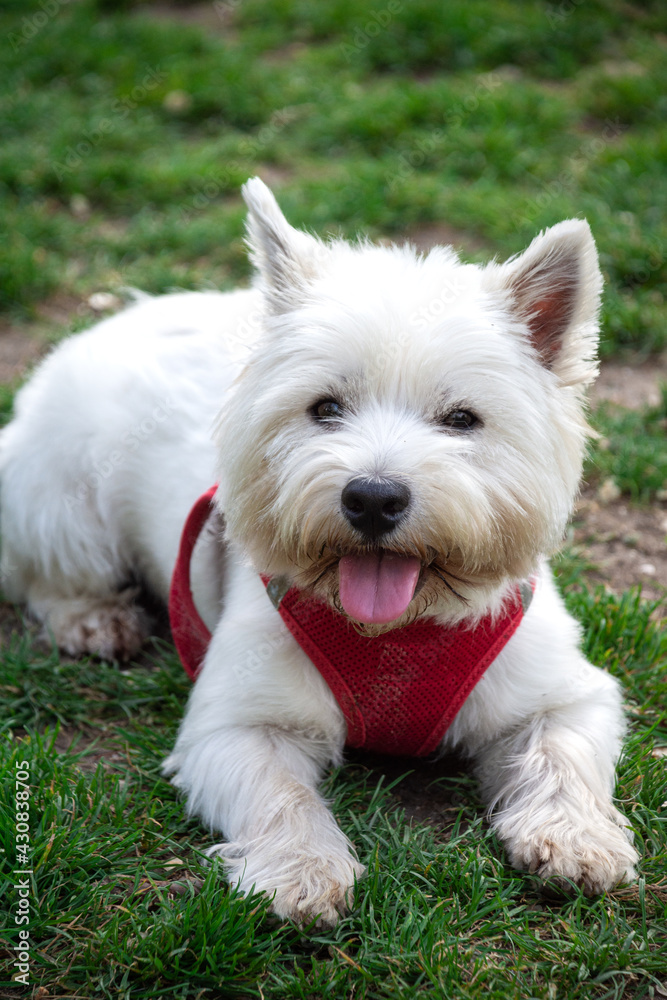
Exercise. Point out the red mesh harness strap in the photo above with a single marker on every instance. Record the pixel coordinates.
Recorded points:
(191, 635)
(399, 692)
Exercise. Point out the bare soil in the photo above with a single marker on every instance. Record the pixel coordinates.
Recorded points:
(21, 345)
(633, 386)
(215, 19)
(440, 234)
(627, 545)
(17, 352)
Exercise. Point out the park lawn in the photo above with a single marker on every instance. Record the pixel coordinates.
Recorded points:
(125, 905)
(126, 136)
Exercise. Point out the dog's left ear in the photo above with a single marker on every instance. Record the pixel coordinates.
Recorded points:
(287, 260)
(554, 289)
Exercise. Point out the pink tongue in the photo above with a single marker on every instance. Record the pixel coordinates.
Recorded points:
(377, 587)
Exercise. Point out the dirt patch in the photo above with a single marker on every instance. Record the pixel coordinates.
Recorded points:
(632, 386)
(440, 234)
(427, 790)
(18, 352)
(276, 177)
(59, 310)
(94, 745)
(23, 344)
(626, 545)
(212, 17)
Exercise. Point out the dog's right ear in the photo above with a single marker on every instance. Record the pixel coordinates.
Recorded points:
(553, 288)
(286, 259)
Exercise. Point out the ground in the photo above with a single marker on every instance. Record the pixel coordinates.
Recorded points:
(625, 542)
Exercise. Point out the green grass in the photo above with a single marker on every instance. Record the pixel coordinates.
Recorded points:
(126, 905)
(125, 141)
(501, 120)
(6, 403)
(631, 450)
(546, 41)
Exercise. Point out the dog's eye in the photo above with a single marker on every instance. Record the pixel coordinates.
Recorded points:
(327, 409)
(460, 420)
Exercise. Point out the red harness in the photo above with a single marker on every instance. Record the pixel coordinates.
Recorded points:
(399, 692)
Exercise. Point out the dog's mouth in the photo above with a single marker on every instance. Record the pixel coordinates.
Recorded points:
(382, 587)
(377, 587)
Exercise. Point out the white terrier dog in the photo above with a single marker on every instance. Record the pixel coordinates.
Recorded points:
(398, 445)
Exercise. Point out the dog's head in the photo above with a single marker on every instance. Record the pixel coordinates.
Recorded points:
(409, 433)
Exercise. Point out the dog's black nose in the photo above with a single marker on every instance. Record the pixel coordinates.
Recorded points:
(375, 506)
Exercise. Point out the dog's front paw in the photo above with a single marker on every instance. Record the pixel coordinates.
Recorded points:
(305, 887)
(596, 856)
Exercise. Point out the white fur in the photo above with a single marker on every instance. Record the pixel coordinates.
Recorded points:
(113, 440)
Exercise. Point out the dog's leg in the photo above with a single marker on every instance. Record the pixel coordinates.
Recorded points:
(68, 567)
(258, 785)
(112, 626)
(545, 729)
(550, 785)
(260, 727)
